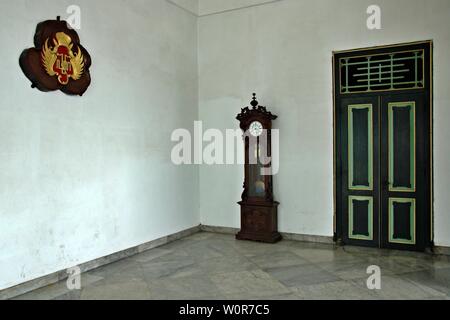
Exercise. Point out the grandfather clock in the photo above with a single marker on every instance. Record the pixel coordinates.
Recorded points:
(259, 211)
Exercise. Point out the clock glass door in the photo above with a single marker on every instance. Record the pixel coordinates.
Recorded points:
(257, 181)
(257, 186)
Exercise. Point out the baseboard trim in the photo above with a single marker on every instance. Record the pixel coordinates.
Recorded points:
(222, 230)
(307, 238)
(445, 251)
(55, 277)
(286, 236)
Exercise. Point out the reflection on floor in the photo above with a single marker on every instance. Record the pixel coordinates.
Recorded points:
(213, 266)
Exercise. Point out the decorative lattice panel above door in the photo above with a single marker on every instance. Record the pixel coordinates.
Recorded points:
(382, 72)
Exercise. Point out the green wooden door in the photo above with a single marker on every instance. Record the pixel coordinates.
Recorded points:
(384, 164)
(360, 167)
(383, 157)
(404, 155)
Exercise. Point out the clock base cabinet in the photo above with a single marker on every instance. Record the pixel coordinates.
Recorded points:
(259, 222)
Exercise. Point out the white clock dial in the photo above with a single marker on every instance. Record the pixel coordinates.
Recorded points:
(256, 129)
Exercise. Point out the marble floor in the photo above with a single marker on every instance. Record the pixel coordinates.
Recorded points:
(209, 266)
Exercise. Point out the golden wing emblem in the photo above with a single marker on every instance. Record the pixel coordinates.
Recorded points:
(48, 57)
(77, 65)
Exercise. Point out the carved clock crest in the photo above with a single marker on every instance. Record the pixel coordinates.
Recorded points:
(259, 210)
(58, 61)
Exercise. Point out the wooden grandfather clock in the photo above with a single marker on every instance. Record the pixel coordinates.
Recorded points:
(259, 210)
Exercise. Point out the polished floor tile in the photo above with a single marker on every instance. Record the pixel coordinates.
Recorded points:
(226, 264)
(338, 290)
(324, 254)
(181, 289)
(207, 266)
(438, 279)
(277, 259)
(299, 275)
(251, 283)
(107, 289)
(400, 288)
(347, 270)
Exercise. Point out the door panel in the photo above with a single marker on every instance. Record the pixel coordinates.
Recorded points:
(402, 148)
(402, 221)
(360, 171)
(360, 146)
(360, 218)
(403, 171)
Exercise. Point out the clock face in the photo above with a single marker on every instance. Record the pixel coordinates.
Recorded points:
(256, 129)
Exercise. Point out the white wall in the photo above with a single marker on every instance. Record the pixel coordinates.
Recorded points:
(190, 5)
(282, 51)
(82, 178)
(206, 7)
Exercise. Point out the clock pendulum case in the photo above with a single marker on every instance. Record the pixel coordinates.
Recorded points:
(259, 210)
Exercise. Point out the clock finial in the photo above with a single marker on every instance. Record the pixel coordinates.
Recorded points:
(254, 102)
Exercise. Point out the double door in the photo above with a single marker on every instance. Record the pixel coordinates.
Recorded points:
(384, 170)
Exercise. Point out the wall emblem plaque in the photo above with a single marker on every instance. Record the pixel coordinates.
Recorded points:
(58, 61)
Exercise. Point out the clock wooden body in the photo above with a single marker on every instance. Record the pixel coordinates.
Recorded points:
(259, 210)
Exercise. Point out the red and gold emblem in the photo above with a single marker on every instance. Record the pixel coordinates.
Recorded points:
(58, 61)
(61, 61)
